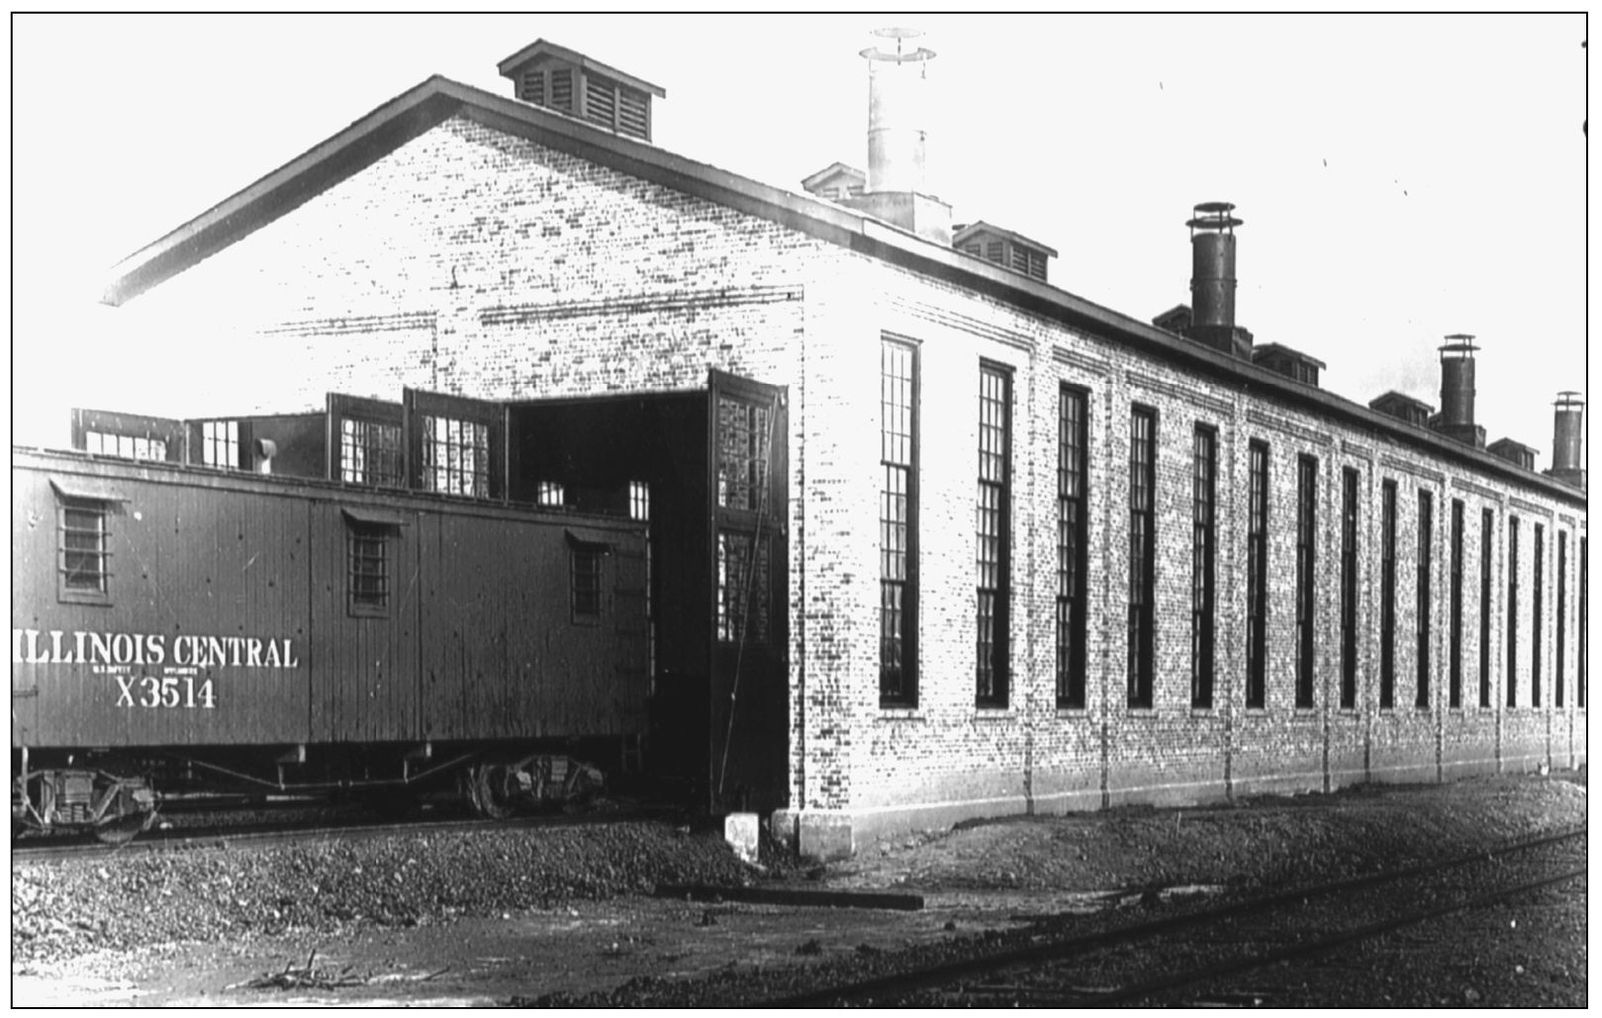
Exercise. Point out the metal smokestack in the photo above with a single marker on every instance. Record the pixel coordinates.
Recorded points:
(1212, 280)
(1212, 259)
(896, 113)
(1456, 419)
(1567, 419)
(897, 116)
(1457, 381)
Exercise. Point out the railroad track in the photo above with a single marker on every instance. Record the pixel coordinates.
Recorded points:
(264, 834)
(1200, 957)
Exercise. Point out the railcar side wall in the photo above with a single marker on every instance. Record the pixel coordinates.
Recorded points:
(228, 617)
(508, 653)
(202, 583)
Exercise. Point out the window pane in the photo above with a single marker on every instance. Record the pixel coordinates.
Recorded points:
(992, 539)
(898, 684)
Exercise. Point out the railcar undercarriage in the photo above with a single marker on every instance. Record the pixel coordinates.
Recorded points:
(116, 795)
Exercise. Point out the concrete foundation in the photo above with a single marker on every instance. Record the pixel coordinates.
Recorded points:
(742, 832)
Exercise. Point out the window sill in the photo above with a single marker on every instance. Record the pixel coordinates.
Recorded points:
(900, 714)
(995, 714)
(92, 597)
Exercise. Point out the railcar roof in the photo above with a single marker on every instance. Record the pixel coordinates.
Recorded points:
(102, 468)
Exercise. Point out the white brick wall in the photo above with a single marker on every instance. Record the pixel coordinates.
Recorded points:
(493, 267)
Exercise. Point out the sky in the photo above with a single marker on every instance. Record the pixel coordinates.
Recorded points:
(1400, 178)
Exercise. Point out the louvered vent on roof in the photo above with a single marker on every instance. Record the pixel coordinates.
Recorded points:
(560, 79)
(532, 88)
(562, 90)
(600, 100)
(633, 113)
(1003, 247)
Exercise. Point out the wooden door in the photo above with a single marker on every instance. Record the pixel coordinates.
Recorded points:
(748, 711)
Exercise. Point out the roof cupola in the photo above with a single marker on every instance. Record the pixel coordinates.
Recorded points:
(560, 79)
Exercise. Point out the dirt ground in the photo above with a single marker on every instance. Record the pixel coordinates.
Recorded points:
(586, 947)
(992, 875)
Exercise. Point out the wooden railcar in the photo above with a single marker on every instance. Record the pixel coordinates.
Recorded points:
(176, 623)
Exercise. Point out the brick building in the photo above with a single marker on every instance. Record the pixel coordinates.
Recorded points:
(1042, 556)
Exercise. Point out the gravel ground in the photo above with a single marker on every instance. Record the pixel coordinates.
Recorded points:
(60, 909)
(1259, 842)
(84, 912)
(1253, 845)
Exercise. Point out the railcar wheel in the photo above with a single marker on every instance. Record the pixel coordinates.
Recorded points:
(493, 788)
(124, 829)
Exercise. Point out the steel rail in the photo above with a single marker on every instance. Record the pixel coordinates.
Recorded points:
(249, 837)
(1138, 991)
(923, 977)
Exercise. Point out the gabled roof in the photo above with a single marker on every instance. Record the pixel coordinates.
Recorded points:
(1400, 399)
(1508, 444)
(980, 226)
(1179, 314)
(1270, 349)
(829, 172)
(539, 49)
(430, 103)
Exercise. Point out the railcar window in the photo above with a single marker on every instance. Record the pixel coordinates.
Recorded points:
(370, 453)
(1203, 565)
(898, 526)
(742, 589)
(455, 456)
(368, 546)
(127, 446)
(85, 557)
(993, 541)
(586, 563)
(551, 494)
(219, 443)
